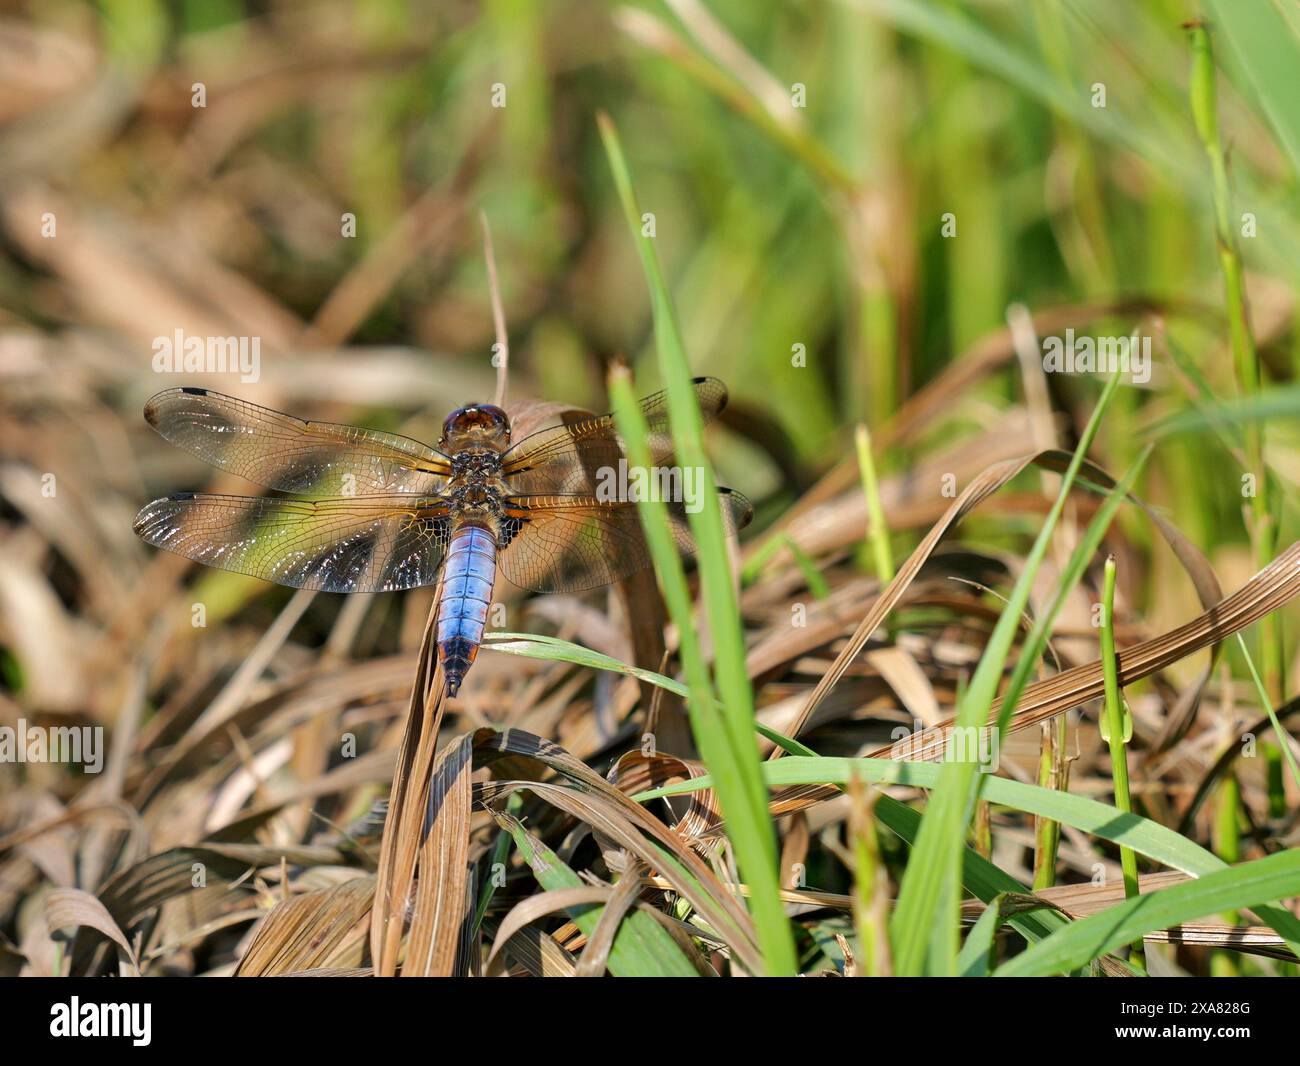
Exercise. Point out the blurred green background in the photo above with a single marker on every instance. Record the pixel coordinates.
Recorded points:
(848, 196)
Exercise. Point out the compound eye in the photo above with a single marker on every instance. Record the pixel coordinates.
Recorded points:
(485, 419)
(499, 421)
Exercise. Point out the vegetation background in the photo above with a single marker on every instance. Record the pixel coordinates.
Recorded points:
(857, 213)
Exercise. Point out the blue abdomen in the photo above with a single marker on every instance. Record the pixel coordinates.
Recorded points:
(467, 580)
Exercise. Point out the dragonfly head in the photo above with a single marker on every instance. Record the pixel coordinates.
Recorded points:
(478, 424)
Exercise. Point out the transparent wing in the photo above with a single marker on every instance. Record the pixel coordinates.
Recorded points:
(565, 459)
(348, 544)
(559, 543)
(290, 454)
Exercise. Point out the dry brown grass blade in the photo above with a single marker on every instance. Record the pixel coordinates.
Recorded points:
(529, 910)
(905, 676)
(132, 893)
(407, 807)
(537, 952)
(1247, 939)
(1079, 901)
(987, 483)
(595, 956)
(318, 931)
(501, 353)
(68, 908)
(1267, 591)
(441, 925)
(637, 772)
(594, 801)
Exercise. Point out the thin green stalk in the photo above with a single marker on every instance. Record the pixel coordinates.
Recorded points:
(870, 882)
(1204, 103)
(1052, 771)
(1283, 738)
(877, 531)
(763, 555)
(1115, 737)
(878, 347)
(816, 582)
(1227, 845)
(1276, 779)
(727, 740)
(982, 830)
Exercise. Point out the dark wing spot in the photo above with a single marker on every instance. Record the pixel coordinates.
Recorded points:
(507, 531)
(193, 390)
(181, 496)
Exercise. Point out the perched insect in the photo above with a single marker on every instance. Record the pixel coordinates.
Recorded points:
(383, 512)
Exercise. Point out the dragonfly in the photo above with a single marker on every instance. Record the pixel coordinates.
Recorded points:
(371, 511)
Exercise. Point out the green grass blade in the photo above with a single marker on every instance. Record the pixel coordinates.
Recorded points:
(1155, 841)
(1247, 885)
(1113, 711)
(553, 649)
(978, 949)
(726, 740)
(984, 880)
(934, 864)
(1267, 51)
(979, 876)
(1283, 737)
(642, 947)
(878, 531)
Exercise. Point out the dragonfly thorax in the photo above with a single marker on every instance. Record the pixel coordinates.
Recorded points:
(475, 465)
(475, 486)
